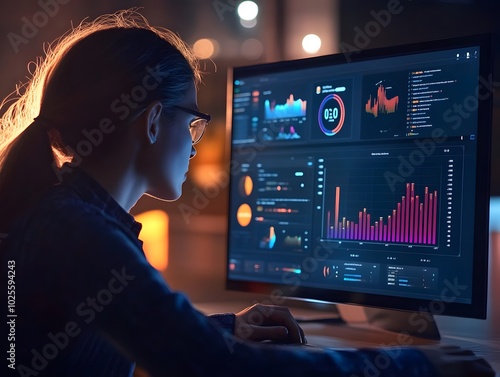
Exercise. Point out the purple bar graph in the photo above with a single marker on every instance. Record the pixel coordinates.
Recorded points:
(412, 221)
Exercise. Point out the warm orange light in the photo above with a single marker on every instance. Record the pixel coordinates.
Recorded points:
(207, 174)
(154, 235)
(205, 48)
(207, 169)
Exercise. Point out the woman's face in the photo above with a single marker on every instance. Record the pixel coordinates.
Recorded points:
(172, 151)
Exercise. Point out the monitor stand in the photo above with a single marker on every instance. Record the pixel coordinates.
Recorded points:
(419, 324)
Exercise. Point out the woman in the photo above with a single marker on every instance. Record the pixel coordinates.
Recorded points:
(115, 117)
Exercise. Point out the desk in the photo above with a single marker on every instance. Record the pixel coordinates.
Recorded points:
(204, 241)
(358, 334)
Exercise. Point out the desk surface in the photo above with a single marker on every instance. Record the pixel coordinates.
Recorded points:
(357, 335)
(203, 240)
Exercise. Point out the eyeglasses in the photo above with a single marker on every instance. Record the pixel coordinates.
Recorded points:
(197, 125)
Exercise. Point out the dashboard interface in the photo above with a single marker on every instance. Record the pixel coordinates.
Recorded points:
(359, 178)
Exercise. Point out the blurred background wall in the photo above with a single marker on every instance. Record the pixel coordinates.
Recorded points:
(220, 35)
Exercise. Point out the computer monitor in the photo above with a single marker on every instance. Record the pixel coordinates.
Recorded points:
(364, 178)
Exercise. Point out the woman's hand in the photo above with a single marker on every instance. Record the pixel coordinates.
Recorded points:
(268, 322)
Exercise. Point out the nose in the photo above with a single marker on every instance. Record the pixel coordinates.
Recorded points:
(193, 152)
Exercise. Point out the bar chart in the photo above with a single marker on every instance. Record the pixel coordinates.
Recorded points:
(372, 203)
(413, 219)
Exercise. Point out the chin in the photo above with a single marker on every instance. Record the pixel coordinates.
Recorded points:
(165, 195)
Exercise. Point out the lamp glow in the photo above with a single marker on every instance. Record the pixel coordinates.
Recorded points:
(248, 10)
(311, 43)
(154, 235)
(204, 48)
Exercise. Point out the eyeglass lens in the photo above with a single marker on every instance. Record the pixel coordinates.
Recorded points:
(197, 129)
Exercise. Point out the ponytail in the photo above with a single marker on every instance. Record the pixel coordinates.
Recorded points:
(26, 171)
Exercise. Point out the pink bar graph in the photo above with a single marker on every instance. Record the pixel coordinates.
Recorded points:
(413, 220)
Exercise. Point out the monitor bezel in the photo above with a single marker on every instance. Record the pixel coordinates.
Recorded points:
(478, 307)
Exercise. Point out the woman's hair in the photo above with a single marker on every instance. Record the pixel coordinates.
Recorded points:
(93, 80)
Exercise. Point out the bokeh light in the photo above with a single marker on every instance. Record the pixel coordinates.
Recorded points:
(311, 43)
(205, 48)
(248, 10)
(252, 49)
(154, 235)
(248, 23)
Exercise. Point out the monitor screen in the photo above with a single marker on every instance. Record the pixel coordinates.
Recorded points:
(364, 179)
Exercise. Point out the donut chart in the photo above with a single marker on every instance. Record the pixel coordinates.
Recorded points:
(331, 114)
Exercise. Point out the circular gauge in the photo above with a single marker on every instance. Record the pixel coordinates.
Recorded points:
(331, 115)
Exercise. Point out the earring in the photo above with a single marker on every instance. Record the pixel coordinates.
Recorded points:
(153, 139)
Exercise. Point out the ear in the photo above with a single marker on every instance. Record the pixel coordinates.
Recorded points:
(153, 117)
